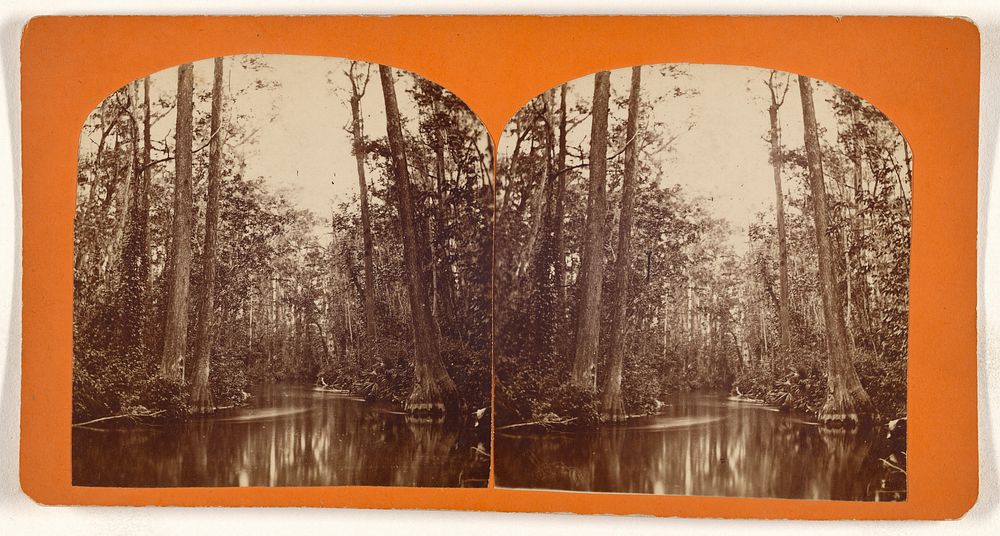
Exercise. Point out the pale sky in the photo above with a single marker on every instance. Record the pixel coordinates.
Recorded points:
(299, 146)
(724, 157)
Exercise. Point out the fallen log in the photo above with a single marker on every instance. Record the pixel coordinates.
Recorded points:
(544, 423)
(133, 416)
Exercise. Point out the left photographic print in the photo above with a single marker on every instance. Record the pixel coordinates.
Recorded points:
(282, 278)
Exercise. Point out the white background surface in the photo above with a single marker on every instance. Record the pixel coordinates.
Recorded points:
(20, 515)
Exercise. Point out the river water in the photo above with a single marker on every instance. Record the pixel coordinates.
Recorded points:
(286, 436)
(703, 444)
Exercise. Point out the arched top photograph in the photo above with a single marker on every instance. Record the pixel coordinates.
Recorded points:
(702, 287)
(282, 254)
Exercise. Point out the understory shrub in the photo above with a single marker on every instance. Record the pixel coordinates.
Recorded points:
(384, 373)
(107, 384)
(538, 389)
(802, 387)
(571, 401)
(228, 380)
(469, 368)
(524, 385)
(885, 381)
(642, 385)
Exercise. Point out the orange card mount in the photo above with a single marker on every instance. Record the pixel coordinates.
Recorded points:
(922, 73)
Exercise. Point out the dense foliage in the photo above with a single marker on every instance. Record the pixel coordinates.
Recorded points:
(702, 299)
(288, 294)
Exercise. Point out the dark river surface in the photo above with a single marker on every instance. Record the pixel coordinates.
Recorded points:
(702, 444)
(286, 436)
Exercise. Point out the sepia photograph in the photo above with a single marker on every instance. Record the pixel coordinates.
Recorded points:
(702, 288)
(282, 278)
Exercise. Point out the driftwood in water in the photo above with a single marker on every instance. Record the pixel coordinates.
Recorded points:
(543, 423)
(327, 388)
(133, 416)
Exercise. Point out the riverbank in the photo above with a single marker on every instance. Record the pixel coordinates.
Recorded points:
(802, 388)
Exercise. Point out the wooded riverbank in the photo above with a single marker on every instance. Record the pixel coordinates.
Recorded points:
(256, 220)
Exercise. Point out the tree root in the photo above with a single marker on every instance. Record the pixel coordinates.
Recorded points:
(613, 410)
(433, 397)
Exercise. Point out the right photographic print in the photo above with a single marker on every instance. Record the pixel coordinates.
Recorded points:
(701, 288)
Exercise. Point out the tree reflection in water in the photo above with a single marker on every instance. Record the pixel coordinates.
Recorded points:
(701, 444)
(291, 436)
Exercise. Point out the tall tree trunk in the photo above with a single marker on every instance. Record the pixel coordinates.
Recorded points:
(859, 236)
(541, 302)
(201, 395)
(175, 330)
(779, 209)
(358, 88)
(542, 200)
(560, 210)
(612, 407)
(592, 268)
(433, 390)
(559, 217)
(444, 282)
(147, 178)
(847, 403)
(127, 311)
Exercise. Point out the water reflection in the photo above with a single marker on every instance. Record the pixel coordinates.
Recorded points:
(289, 436)
(700, 444)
